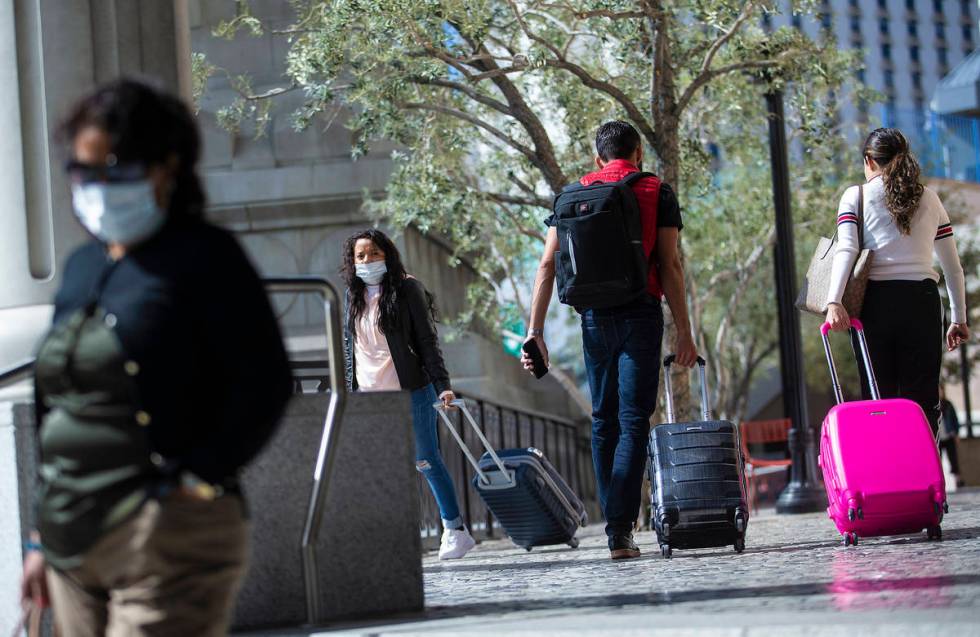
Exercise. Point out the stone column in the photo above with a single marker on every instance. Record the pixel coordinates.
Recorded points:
(51, 53)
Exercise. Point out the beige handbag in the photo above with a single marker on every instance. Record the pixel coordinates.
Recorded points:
(816, 284)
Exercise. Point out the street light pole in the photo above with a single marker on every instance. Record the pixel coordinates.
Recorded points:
(802, 494)
(965, 380)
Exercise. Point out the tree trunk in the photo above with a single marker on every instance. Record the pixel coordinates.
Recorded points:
(666, 118)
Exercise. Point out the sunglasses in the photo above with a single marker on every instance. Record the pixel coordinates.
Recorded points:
(120, 172)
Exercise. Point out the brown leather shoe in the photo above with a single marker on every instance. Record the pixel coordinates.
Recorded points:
(622, 547)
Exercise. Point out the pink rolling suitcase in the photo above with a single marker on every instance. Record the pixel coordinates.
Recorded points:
(880, 462)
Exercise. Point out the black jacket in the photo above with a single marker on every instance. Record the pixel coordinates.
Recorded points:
(191, 312)
(414, 345)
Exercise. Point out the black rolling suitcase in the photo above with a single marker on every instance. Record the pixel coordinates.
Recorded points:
(523, 490)
(697, 479)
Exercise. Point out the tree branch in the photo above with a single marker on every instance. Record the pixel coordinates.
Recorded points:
(469, 91)
(475, 121)
(709, 57)
(711, 74)
(561, 62)
(518, 201)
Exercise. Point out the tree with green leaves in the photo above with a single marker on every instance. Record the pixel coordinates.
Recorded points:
(494, 104)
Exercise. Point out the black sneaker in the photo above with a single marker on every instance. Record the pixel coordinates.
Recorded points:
(622, 547)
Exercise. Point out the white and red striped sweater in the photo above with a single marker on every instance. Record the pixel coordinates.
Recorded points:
(897, 256)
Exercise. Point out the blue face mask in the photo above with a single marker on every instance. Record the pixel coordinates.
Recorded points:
(371, 273)
(123, 213)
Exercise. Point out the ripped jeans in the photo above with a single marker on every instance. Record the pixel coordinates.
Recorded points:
(427, 458)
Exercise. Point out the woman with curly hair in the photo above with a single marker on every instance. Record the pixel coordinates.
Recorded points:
(905, 224)
(390, 343)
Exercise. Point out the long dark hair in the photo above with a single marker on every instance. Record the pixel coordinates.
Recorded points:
(391, 283)
(900, 172)
(146, 126)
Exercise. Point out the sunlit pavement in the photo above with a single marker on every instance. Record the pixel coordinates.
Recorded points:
(795, 578)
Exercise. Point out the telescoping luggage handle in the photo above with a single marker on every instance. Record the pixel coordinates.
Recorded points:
(858, 328)
(705, 412)
(459, 402)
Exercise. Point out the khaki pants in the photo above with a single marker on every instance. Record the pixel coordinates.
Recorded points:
(173, 569)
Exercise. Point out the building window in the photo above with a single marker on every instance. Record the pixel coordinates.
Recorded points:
(797, 22)
(825, 20)
(860, 76)
(910, 5)
(943, 55)
(937, 6)
(940, 31)
(883, 26)
(882, 4)
(886, 51)
(889, 78)
(967, 33)
(914, 53)
(917, 80)
(855, 25)
(767, 21)
(913, 29)
(965, 7)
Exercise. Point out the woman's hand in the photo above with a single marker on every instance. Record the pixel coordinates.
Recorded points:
(447, 397)
(838, 318)
(33, 583)
(957, 334)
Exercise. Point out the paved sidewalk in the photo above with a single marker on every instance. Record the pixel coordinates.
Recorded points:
(795, 578)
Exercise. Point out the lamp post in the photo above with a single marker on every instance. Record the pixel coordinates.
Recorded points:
(965, 380)
(802, 494)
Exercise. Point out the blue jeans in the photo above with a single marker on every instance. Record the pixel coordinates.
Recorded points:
(622, 361)
(427, 458)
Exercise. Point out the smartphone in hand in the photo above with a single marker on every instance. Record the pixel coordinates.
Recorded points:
(537, 359)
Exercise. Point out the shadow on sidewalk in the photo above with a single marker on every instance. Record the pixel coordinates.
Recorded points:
(680, 597)
(951, 535)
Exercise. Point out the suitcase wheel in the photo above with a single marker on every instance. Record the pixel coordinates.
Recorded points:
(573, 542)
(860, 513)
(665, 551)
(935, 533)
(945, 506)
(528, 548)
(850, 539)
(851, 514)
(739, 544)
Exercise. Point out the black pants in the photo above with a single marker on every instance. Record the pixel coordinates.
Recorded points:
(903, 324)
(949, 446)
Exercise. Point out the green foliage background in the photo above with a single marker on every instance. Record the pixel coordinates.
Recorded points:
(494, 104)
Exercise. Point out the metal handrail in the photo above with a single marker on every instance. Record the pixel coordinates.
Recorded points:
(17, 373)
(327, 451)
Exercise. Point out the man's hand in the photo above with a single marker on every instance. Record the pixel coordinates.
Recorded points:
(685, 352)
(526, 361)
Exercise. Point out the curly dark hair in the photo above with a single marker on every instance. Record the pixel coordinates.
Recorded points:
(900, 172)
(148, 126)
(391, 283)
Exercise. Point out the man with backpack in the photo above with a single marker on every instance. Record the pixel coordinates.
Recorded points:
(612, 242)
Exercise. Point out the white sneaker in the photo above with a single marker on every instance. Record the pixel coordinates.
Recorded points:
(455, 544)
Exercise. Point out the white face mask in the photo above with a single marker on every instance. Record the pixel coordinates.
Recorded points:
(371, 273)
(124, 213)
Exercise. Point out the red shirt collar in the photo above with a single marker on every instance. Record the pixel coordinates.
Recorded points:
(620, 164)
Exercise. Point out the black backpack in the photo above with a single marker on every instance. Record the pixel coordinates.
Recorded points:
(600, 261)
